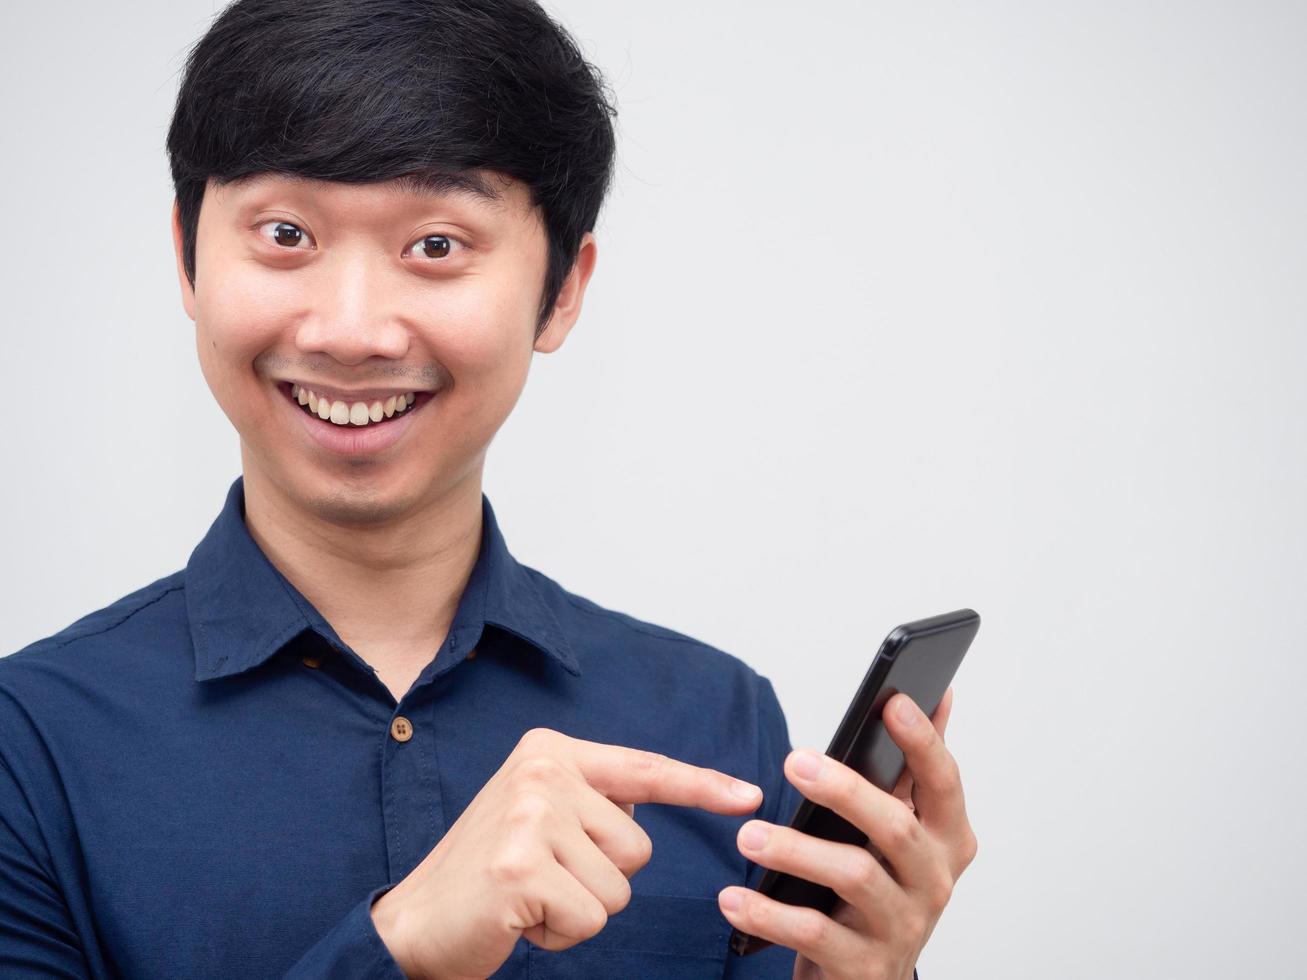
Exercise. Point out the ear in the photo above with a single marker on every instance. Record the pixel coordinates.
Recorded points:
(188, 291)
(568, 305)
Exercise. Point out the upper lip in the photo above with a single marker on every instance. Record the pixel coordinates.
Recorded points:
(351, 395)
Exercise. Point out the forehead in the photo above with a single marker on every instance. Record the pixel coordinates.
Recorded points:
(485, 193)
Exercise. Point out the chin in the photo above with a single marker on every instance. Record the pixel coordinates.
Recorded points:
(354, 495)
(359, 505)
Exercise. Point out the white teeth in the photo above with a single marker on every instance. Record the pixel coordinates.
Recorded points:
(355, 413)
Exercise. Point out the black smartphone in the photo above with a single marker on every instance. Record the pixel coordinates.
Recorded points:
(919, 659)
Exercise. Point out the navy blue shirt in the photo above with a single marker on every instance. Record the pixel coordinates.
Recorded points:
(203, 780)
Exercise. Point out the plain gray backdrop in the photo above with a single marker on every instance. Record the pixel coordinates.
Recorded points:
(898, 308)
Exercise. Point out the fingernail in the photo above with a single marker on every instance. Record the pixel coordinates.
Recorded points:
(908, 713)
(807, 764)
(755, 836)
(745, 791)
(731, 898)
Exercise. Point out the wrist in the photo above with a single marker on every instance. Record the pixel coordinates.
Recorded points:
(386, 920)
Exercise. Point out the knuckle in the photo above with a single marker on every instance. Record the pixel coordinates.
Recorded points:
(620, 898)
(641, 850)
(649, 763)
(593, 919)
(511, 866)
(810, 928)
(940, 892)
(536, 739)
(529, 810)
(970, 846)
(539, 769)
(915, 924)
(555, 942)
(632, 854)
(864, 872)
(902, 828)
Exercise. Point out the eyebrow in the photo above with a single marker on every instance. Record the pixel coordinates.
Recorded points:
(446, 182)
(427, 182)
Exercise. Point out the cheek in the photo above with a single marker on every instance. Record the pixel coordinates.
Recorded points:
(486, 321)
(489, 375)
(237, 316)
(484, 339)
(243, 307)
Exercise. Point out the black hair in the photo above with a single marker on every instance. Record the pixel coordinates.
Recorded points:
(425, 90)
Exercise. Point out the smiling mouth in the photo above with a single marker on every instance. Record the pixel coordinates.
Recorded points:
(354, 414)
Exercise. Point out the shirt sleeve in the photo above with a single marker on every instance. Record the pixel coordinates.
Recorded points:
(40, 935)
(37, 935)
(779, 802)
(352, 950)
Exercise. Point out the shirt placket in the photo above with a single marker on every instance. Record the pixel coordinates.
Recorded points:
(412, 805)
(413, 808)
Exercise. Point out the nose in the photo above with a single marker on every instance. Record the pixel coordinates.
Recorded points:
(351, 317)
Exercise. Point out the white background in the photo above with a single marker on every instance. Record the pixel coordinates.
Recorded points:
(899, 308)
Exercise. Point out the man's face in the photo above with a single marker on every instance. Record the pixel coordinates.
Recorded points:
(369, 296)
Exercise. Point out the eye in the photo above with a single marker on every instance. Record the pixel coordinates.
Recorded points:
(433, 246)
(286, 235)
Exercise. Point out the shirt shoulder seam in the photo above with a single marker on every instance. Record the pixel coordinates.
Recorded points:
(60, 644)
(659, 632)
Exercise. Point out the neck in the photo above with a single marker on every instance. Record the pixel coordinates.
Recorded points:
(389, 589)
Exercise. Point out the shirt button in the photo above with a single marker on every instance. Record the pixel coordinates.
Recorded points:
(310, 661)
(471, 655)
(400, 729)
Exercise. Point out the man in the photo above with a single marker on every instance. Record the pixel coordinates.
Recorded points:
(354, 737)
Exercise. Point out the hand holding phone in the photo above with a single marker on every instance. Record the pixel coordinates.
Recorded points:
(919, 659)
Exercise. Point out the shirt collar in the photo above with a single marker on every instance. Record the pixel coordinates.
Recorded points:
(242, 610)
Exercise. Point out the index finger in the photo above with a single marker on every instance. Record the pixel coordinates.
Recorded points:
(627, 775)
(903, 788)
(936, 782)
